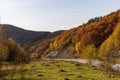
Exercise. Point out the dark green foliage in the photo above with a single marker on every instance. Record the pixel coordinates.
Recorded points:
(94, 20)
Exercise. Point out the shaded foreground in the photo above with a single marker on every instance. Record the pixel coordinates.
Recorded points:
(54, 70)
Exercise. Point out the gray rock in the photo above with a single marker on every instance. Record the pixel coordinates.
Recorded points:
(116, 67)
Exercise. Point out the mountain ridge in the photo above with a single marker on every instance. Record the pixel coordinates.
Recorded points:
(25, 37)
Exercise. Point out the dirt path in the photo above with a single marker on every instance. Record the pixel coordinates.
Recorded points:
(93, 62)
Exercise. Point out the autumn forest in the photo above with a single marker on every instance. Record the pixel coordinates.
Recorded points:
(97, 39)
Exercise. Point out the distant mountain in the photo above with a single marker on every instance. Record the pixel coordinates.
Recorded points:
(25, 37)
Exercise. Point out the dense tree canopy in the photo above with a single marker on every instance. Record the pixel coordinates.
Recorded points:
(95, 33)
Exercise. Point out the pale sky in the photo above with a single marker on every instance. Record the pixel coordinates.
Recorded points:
(52, 15)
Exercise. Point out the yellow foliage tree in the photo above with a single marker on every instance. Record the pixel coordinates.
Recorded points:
(109, 49)
(78, 49)
(90, 51)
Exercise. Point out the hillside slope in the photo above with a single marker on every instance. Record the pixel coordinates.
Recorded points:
(25, 37)
(110, 49)
(85, 40)
(38, 47)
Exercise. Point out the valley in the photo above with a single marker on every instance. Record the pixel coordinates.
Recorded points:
(90, 51)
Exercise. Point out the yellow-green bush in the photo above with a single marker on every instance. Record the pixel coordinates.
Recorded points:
(90, 51)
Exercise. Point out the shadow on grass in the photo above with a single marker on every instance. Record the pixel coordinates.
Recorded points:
(62, 70)
(40, 75)
(77, 64)
(66, 79)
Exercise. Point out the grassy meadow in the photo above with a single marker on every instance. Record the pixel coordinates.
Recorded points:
(53, 70)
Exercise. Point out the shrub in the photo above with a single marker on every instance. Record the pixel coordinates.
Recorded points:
(15, 52)
(90, 51)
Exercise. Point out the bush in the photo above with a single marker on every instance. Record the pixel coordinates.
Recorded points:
(15, 52)
(90, 51)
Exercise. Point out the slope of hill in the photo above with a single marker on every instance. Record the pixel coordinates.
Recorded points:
(38, 48)
(25, 37)
(110, 49)
(85, 40)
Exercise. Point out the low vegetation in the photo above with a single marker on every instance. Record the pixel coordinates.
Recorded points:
(54, 70)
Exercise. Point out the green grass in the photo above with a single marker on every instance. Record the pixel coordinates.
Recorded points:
(55, 70)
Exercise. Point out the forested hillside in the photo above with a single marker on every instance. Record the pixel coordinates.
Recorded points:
(98, 38)
(38, 48)
(84, 41)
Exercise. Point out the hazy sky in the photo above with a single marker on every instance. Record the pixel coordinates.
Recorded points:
(52, 15)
